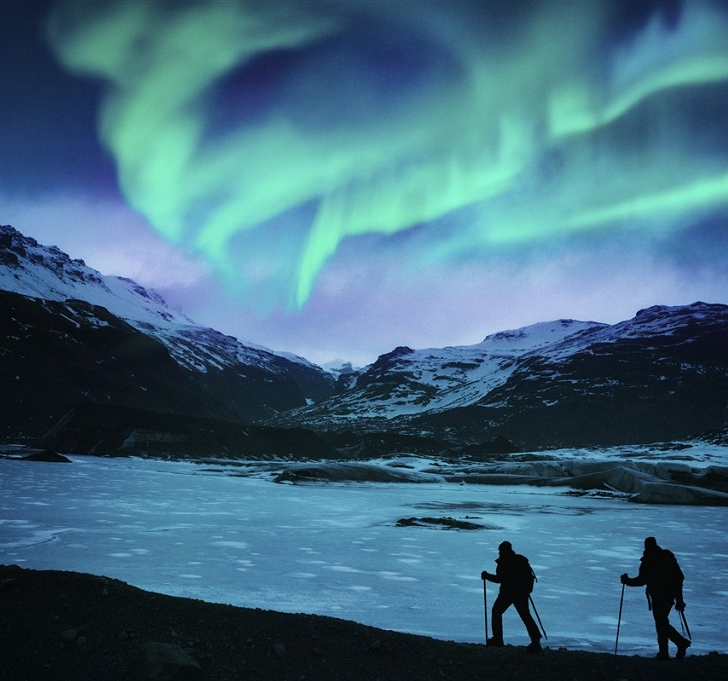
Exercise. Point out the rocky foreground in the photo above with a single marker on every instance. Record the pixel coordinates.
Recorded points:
(67, 625)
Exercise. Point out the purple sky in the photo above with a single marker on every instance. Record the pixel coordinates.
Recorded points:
(335, 179)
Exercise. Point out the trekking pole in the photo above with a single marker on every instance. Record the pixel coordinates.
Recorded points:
(485, 607)
(684, 621)
(619, 621)
(533, 605)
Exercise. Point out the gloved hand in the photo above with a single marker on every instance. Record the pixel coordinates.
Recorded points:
(680, 605)
(484, 575)
(624, 578)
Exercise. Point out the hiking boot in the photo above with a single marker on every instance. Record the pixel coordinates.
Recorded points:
(682, 649)
(494, 642)
(662, 656)
(534, 647)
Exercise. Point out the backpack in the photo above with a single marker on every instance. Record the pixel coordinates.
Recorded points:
(525, 575)
(672, 575)
(664, 576)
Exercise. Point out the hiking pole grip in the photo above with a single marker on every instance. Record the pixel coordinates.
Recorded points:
(619, 620)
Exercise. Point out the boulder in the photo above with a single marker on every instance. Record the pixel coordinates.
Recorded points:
(584, 467)
(47, 455)
(445, 523)
(348, 472)
(539, 469)
(616, 478)
(667, 493)
(619, 479)
(168, 662)
(498, 479)
(713, 477)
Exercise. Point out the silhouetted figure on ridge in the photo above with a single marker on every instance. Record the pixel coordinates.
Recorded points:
(516, 578)
(660, 573)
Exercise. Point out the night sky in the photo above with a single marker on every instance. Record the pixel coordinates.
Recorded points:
(338, 177)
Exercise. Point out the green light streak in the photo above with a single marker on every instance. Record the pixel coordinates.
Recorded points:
(678, 200)
(475, 137)
(572, 113)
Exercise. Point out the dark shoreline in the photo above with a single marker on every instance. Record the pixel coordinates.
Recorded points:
(68, 625)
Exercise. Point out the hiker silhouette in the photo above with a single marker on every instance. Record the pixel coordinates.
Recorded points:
(660, 573)
(515, 576)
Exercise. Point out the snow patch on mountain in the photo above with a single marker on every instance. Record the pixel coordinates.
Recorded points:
(46, 272)
(535, 367)
(535, 336)
(407, 381)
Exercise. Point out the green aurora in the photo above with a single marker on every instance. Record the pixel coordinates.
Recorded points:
(342, 119)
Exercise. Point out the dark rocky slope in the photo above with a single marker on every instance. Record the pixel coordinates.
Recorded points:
(59, 355)
(70, 335)
(122, 431)
(64, 625)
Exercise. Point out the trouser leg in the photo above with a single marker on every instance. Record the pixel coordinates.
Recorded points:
(524, 611)
(661, 634)
(675, 636)
(502, 603)
(665, 631)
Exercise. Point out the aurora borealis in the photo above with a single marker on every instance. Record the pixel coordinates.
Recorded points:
(464, 165)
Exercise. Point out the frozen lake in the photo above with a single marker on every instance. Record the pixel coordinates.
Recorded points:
(228, 534)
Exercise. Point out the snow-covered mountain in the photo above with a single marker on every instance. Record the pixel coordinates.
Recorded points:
(38, 271)
(407, 381)
(661, 375)
(73, 337)
(71, 334)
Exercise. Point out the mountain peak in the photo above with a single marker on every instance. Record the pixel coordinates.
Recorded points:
(659, 375)
(696, 308)
(537, 335)
(47, 272)
(53, 299)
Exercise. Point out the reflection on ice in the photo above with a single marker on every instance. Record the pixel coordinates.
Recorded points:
(187, 530)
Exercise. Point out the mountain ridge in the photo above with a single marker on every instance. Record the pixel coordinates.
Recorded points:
(47, 272)
(73, 336)
(667, 364)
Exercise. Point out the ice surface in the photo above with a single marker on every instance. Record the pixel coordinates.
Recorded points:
(228, 534)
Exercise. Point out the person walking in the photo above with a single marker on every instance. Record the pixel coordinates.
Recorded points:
(660, 573)
(516, 578)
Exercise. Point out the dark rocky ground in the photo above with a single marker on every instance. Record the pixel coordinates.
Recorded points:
(71, 626)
